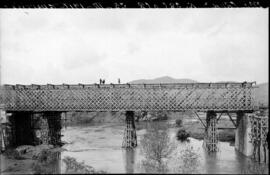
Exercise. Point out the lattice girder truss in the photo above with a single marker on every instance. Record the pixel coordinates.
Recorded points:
(129, 97)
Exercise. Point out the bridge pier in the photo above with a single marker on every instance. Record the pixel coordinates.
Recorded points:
(242, 134)
(130, 137)
(31, 128)
(258, 137)
(129, 160)
(46, 128)
(210, 138)
(5, 130)
(54, 124)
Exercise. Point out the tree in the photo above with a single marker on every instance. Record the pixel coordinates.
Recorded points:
(157, 148)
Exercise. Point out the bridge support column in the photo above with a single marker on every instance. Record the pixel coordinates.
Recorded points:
(54, 123)
(210, 138)
(40, 128)
(242, 135)
(130, 137)
(6, 130)
(47, 128)
(258, 137)
(32, 128)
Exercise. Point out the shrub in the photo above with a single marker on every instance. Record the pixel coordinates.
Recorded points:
(255, 168)
(188, 161)
(13, 154)
(179, 122)
(46, 162)
(151, 166)
(182, 135)
(156, 147)
(72, 167)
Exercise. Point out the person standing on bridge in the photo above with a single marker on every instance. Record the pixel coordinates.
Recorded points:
(118, 80)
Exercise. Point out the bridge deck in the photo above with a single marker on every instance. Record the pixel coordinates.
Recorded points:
(119, 97)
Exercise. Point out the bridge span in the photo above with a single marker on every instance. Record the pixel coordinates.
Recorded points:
(129, 97)
(40, 107)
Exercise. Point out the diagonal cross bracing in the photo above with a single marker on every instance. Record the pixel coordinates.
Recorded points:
(129, 97)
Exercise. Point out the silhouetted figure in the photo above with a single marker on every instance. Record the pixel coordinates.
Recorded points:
(103, 81)
(100, 81)
(118, 80)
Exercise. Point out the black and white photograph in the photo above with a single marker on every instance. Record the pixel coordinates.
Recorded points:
(105, 91)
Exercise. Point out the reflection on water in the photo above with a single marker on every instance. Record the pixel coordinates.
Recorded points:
(99, 146)
(129, 160)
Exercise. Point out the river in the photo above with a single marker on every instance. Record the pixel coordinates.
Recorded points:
(100, 147)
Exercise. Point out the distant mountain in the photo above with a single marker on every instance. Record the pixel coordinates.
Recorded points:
(261, 94)
(165, 79)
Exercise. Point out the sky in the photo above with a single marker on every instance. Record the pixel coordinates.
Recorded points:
(55, 46)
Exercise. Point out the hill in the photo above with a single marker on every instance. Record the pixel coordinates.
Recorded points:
(165, 79)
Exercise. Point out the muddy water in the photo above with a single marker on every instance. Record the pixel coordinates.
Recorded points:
(100, 147)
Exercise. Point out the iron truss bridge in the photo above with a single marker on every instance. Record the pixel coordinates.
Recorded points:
(129, 97)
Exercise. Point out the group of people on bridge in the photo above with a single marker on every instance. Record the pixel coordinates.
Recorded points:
(102, 81)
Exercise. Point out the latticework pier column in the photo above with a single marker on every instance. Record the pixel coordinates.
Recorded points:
(259, 130)
(211, 136)
(130, 137)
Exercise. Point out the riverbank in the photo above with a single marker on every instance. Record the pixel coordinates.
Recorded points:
(189, 122)
(196, 129)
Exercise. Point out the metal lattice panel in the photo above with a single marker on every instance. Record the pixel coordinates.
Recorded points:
(211, 135)
(259, 130)
(148, 97)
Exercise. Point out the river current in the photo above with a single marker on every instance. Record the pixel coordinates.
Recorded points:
(100, 147)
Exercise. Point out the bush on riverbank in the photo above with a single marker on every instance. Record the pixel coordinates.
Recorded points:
(154, 116)
(13, 154)
(157, 148)
(74, 167)
(179, 122)
(255, 168)
(188, 161)
(46, 162)
(182, 135)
